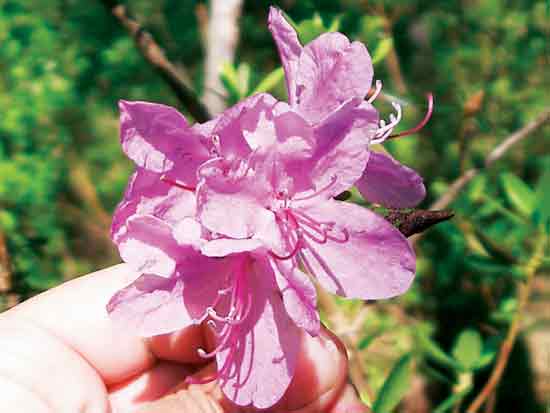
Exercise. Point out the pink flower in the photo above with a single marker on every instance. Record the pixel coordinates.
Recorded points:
(329, 71)
(228, 220)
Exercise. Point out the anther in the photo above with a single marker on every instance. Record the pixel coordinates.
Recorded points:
(422, 123)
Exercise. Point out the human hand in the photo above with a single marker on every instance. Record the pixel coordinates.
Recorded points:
(61, 353)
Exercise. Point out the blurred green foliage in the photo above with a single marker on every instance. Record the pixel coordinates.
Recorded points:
(65, 63)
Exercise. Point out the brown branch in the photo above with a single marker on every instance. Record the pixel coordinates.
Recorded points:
(5, 266)
(497, 153)
(153, 54)
(508, 344)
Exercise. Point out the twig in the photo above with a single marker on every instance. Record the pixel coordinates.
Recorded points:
(508, 344)
(498, 152)
(222, 39)
(152, 52)
(5, 266)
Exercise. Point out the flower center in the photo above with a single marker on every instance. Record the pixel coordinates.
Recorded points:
(298, 228)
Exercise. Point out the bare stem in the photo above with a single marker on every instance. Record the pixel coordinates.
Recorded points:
(154, 55)
(504, 355)
(497, 153)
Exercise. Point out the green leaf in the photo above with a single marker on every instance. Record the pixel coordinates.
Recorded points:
(451, 401)
(518, 193)
(369, 338)
(230, 79)
(382, 50)
(269, 82)
(434, 352)
(243, 78)
(467, 349)
(395, 386)
(541, 215)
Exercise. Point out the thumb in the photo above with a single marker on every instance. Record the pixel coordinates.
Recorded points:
(187, 400)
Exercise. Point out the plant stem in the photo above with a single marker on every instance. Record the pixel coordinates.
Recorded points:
(505, 350)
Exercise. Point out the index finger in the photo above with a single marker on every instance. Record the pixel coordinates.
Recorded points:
(75, 313)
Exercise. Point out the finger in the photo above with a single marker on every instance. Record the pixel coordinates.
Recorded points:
(188, 401)
(75, 313)
(348, 402)
(321, 375)
(181, 346)
(147, 387)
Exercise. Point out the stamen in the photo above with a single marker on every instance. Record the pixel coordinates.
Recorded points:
(311, 220)
(215, 316)
(163, 178)
(294, 250)
(422, 123)
(216, 147)
(341, 241)
(313, 237)
(387, 128)
(333, 180)
(377, 90)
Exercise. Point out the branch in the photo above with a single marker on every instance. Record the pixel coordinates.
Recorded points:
(152, 52)
(222, 39)
(498, 152)
(508, 344)
(5, 266)
(493, 156)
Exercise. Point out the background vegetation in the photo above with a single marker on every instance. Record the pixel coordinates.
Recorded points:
(482, 282)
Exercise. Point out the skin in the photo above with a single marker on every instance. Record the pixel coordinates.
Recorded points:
(61, 353)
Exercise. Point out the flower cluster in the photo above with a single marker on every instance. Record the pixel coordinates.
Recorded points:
(230, 222)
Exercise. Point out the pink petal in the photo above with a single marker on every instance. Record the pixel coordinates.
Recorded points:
(158, 138)
(147, 194)
(237, 121)
(331, 71)
(341, 152)
(226, 246)
(148, 246)
(154, 305)
(389, 183)
(376, 262)
(289, 47)
(150, 306)
(265, 354)
(203, 279)
(231, 204)
(299, 296)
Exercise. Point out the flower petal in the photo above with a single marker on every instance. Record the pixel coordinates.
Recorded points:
(375, 262)
(341, 152)
(299, 296)
(203, 279)
(150, 306)
(236, 122)
(147, 194)
(331, 71)
(226, 246)
(231, 202)
(263, 359)
(157, 137)
(389, 183)
(289, 48)
(148, 246)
